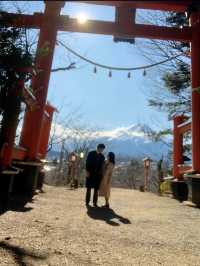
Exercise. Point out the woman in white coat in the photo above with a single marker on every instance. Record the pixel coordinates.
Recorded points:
(105, 185)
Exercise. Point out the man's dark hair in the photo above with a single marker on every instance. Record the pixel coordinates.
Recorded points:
(101, 146)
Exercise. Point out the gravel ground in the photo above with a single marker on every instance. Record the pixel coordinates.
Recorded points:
(140, 229)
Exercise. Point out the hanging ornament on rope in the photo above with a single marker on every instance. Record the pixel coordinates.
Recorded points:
(144, 73)
(114, 68)
(95, 70)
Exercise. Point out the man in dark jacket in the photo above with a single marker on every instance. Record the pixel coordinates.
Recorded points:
(94, 170)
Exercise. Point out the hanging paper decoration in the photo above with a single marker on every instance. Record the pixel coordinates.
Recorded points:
(110, 74)
(144, 73)
(129, 75)
(95, 70)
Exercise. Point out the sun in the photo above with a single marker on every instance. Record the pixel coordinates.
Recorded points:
(82, 18)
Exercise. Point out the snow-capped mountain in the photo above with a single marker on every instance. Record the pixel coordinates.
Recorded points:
(126, 141)
(132, 141)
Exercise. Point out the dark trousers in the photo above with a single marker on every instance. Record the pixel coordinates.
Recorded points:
(88, 195)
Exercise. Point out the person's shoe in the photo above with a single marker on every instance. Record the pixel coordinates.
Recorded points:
(106, 206)
(95, 205)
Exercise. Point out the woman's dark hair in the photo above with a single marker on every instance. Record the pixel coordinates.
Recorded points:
(111, 157)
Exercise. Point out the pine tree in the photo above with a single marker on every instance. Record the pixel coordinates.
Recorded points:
(177, 79)
(14, 58)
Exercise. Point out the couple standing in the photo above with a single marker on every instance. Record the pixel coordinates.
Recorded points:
(99, 174)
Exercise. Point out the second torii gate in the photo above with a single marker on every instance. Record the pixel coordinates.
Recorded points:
(124, 28)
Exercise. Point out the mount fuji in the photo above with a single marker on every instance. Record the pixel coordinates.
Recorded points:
(132, 141)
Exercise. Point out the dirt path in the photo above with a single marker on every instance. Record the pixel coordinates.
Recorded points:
(142, 229)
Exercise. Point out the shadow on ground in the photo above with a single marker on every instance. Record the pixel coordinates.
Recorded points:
(20, 254)
(16, 203)
(107, 215)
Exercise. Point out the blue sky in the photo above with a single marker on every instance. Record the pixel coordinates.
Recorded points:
(104, 102)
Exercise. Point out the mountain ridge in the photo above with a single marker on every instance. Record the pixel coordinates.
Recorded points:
(131, 141)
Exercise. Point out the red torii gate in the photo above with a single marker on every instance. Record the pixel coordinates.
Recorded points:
(124, 27)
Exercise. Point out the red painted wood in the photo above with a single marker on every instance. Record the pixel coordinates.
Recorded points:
(178, 6)
(64, 23)
(46, 128)
(32, 128)
(19, 153)
(136, 30)
(184, 169)
(185, 128)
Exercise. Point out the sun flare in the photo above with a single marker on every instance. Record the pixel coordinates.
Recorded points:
(82, 18)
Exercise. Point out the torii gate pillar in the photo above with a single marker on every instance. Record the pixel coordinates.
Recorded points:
(32, 127)
(195, 55)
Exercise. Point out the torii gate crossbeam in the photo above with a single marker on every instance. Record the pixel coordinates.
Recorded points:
(177, 6)
(64, 23)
